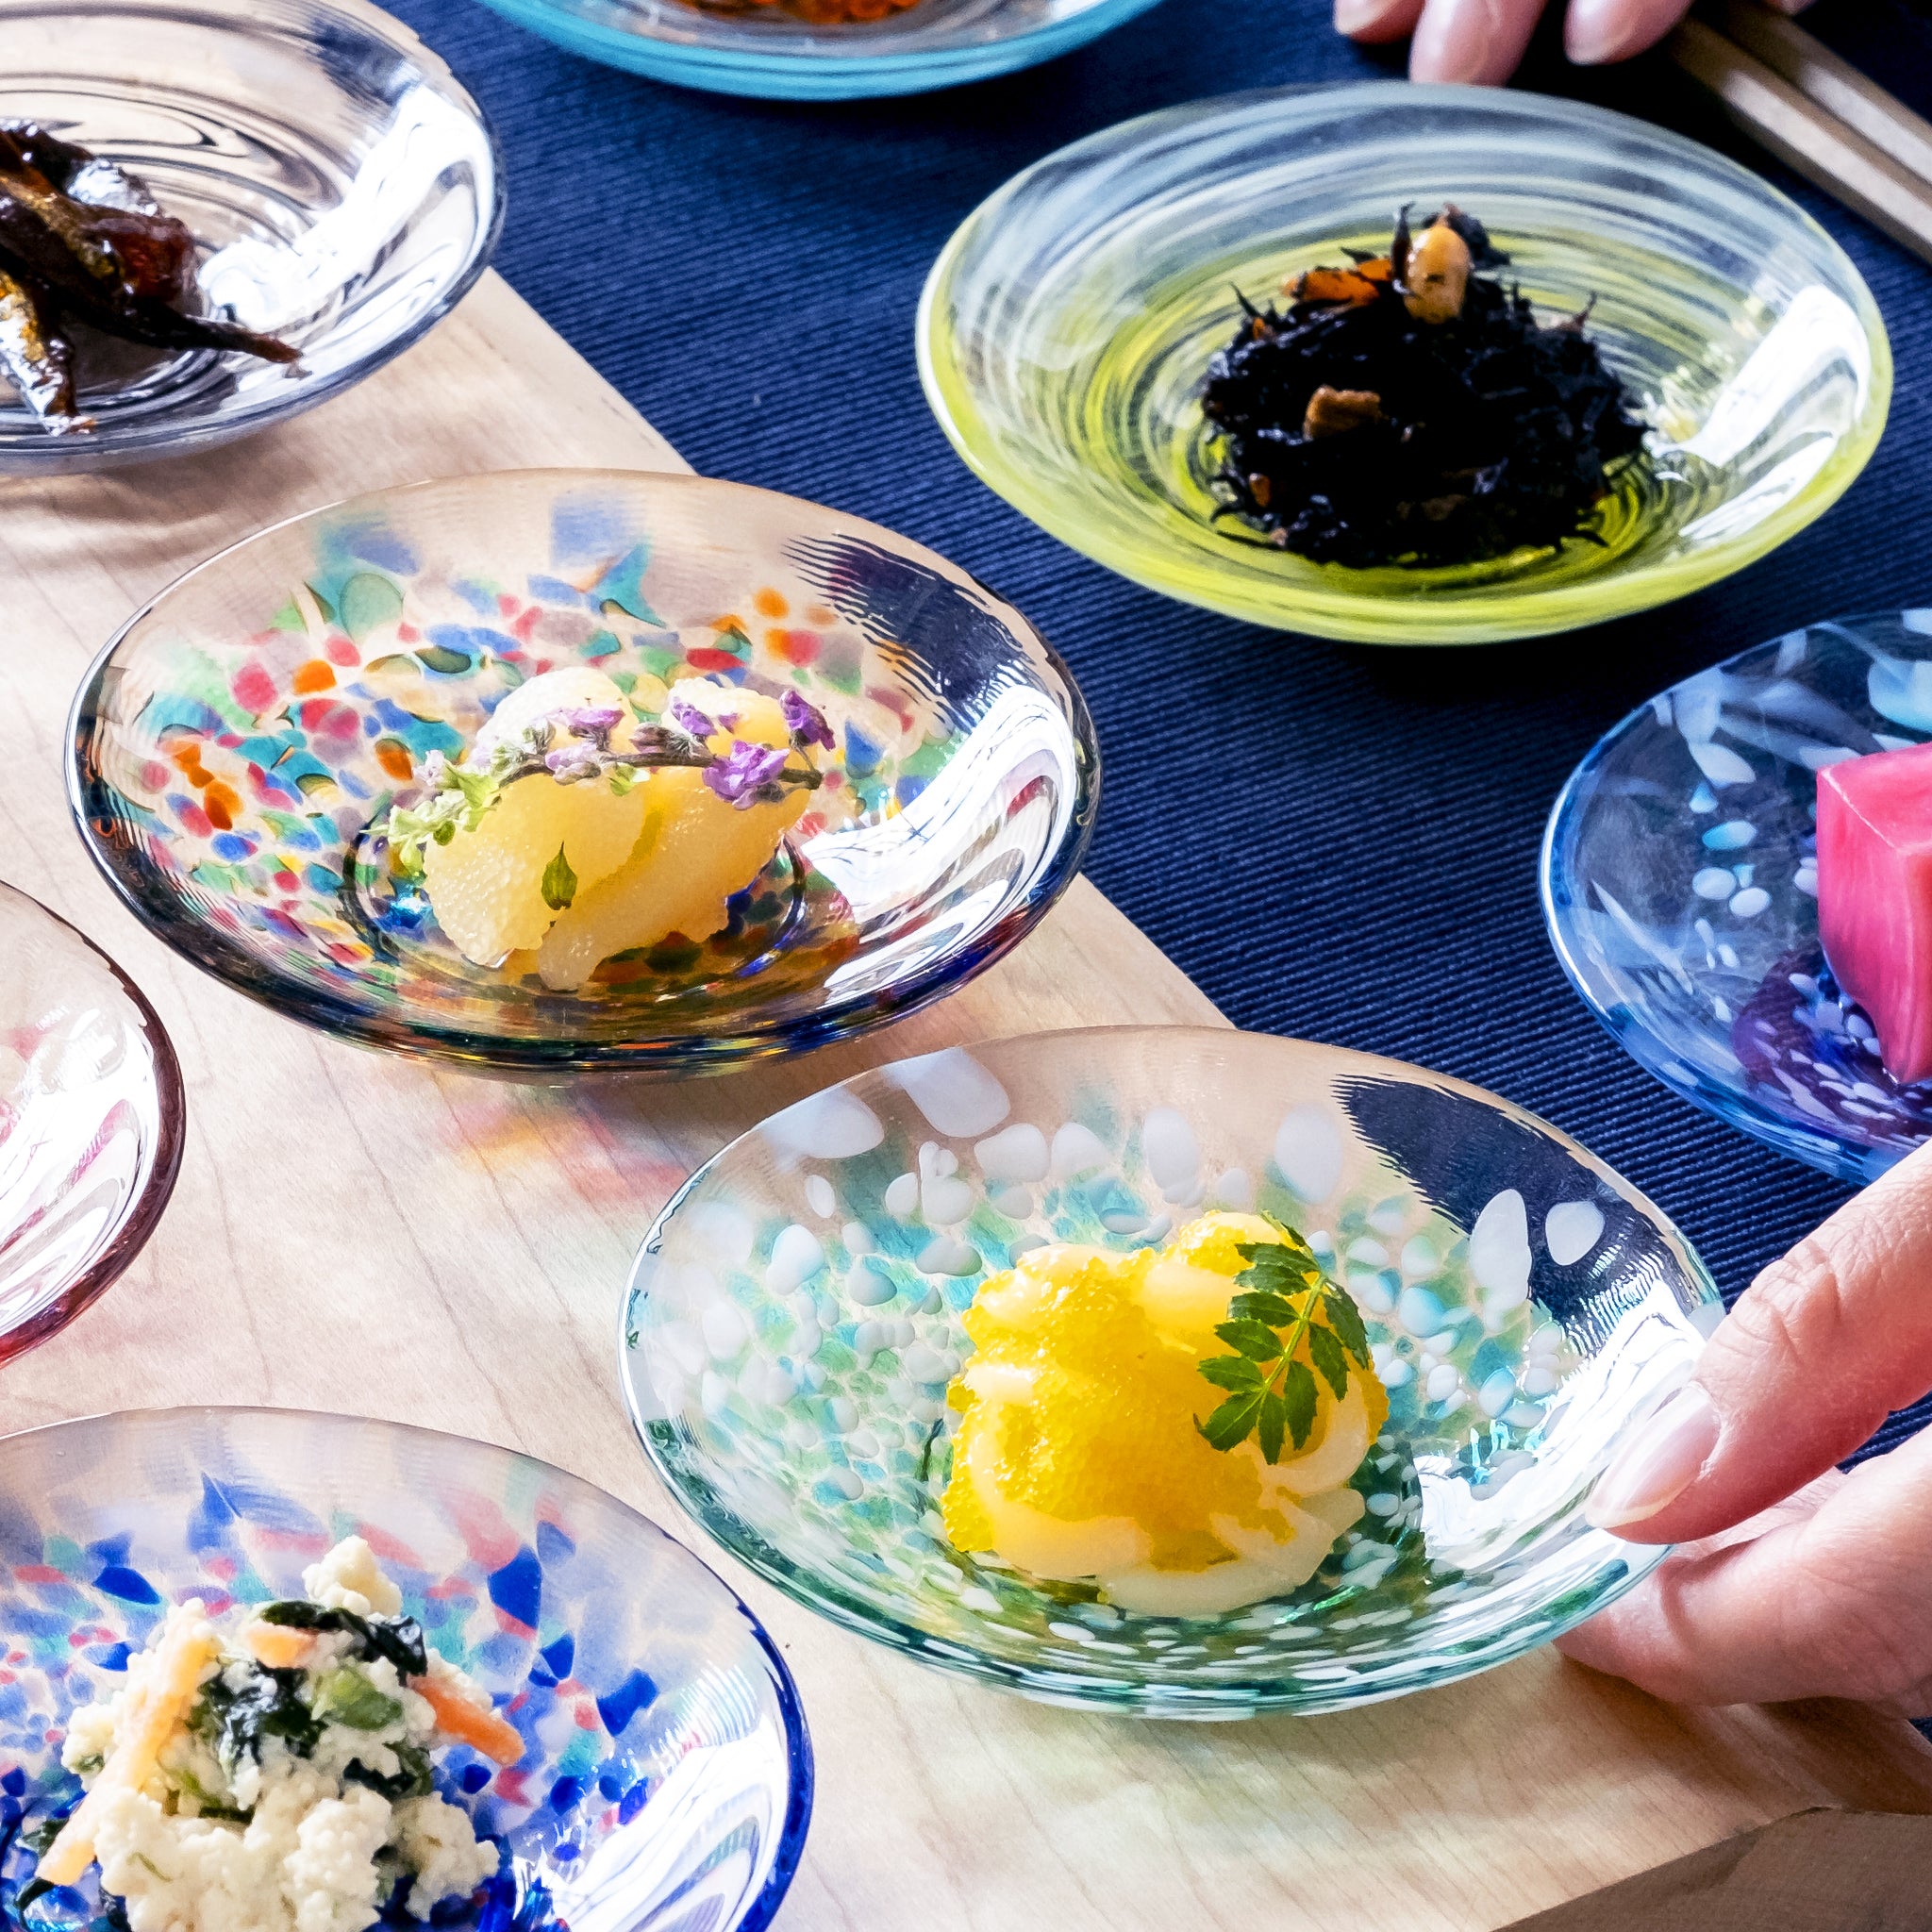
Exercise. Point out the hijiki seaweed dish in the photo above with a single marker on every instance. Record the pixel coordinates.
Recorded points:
(1409, 408)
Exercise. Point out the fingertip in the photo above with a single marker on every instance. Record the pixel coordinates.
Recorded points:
(1471, 43)
(1374, 22)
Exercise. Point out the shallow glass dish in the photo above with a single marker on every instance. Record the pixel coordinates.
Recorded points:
(745, 47)
(235, 744)
(1680, 881)
(793, 1321)
(667, 1776)
(91, 1120)
(343, 189)
(1067, 326)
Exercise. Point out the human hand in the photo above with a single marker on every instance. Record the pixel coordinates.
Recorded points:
(1482, 41)
(1799, 1581)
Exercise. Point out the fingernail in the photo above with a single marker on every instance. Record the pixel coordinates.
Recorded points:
(1659, 1465)
(1597, 31)
(1353, 16)
(1458, 42)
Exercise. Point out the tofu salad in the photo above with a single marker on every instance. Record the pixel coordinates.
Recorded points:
(276, 1776)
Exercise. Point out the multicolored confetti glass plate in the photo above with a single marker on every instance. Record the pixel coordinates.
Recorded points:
(1680, 883)
(237, 742)
(91, 1120)
(666, 1781)
(794, 1319)
(1066, 327)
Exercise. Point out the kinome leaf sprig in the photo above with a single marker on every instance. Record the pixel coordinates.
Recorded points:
(1270, 1386)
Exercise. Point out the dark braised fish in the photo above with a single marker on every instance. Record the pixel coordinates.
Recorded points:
(82, 240)
(1410, 409)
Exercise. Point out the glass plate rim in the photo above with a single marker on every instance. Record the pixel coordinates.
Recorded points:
(143, 1212)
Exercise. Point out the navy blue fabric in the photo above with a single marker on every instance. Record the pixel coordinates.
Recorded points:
(1333, 841)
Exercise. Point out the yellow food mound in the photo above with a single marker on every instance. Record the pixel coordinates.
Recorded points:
(1077, 1456)
(662, 858)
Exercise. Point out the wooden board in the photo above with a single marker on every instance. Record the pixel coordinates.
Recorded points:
(486, 1228)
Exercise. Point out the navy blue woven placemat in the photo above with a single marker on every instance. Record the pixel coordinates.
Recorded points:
(1333, 841)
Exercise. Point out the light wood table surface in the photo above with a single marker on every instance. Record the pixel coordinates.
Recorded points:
(486, 1228)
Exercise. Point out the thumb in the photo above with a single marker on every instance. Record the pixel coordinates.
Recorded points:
(1824, 1345)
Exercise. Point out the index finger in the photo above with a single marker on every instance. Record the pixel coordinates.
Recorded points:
(1818, 1351)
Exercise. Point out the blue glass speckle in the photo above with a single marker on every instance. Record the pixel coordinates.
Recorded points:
(620, 1706)
(517, 1589)
(130, 1586)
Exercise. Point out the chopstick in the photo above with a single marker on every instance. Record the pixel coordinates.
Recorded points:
(1818, 114)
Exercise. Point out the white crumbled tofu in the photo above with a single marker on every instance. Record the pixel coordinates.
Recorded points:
(350, 1578)
(435, 1840)
(318, 1850)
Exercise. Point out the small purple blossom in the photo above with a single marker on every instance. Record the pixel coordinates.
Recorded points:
(573, 764)
(805, 722)
(737, 777)
(595, 721)
(692, 722)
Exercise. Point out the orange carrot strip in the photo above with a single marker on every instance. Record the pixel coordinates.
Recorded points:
(462, 1720)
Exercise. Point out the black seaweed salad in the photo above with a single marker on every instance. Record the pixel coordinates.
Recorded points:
(1411, 409)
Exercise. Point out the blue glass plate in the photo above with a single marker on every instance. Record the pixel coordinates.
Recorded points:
(794, 1323)
(762, 50)
(1679, 879)
(235, 747)
(666, 1782)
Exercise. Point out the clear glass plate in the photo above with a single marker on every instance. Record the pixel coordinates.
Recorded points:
(91, 1120)
(667, 1775)
(743, 47)
(1680, 880)
(794, 1318)
(1067, 326)
(343, 189)
(234, 746)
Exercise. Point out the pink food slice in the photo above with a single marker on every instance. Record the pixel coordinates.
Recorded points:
(1875, 895)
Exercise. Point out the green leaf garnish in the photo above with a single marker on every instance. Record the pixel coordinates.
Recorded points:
(559, 883)
(1271, 1389)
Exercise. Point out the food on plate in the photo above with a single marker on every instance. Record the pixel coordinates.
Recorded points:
(82, 242)
(1875, 896)
(818, 12)
(572, 829)
(1178, 1425)
(275, 1776)
(1409, 408)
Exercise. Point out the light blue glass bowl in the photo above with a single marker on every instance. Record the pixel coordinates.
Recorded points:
(1680, 880)
(794, 1318)
(763, 51)
(667, 1777)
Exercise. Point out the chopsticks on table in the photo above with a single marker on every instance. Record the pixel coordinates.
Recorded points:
(1815, 111)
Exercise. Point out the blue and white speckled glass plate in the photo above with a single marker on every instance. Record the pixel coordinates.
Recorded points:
(794, 1319)
(666, 1781)
(1679, 879)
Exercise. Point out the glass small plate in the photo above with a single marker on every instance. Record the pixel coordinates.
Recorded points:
(1066, 327)
(667, 1775)
(746, 47)
(794, 1318)
(91, 1119)
(341, 188)
(235, 744)
(1680, 880)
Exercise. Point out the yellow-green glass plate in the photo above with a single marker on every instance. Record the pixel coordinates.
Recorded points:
(1065, 330)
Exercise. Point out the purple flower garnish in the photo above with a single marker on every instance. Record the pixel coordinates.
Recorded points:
(692, 722)
(739, 776)
(595, 721)
(806, 721)
(573, 763)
